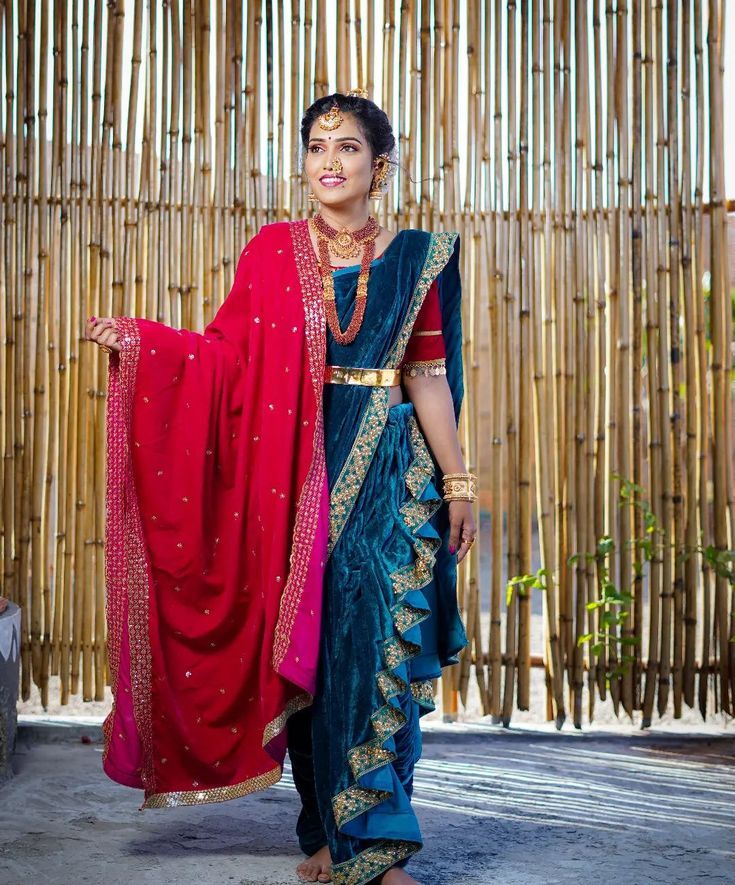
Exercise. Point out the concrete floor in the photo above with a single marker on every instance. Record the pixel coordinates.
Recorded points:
(517, 806)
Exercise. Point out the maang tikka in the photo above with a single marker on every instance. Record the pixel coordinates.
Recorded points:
(333, 119)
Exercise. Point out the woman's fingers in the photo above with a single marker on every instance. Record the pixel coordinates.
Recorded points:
(108, 338)
(101, 330)
(97, 325)
(464, 549)
(455, 525)
(467, 534)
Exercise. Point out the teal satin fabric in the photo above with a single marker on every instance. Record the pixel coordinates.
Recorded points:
(390, 568)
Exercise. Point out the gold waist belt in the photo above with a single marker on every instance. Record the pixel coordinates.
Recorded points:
(366, 377)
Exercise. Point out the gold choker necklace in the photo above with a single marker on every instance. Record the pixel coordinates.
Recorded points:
(345, 244)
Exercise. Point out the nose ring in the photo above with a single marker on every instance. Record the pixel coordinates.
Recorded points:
(337, 165)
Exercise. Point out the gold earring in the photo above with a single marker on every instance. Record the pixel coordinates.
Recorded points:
(380, 177)
(313, 197)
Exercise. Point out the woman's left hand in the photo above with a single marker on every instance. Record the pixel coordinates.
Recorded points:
(462, 528)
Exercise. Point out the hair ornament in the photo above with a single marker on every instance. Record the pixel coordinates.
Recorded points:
(358, 93)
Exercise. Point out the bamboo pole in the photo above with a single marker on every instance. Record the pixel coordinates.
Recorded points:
(693, 442)
(634, 626)
(675, 284)
(720, 367)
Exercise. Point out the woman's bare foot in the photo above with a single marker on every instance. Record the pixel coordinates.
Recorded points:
(397, 876)
(318, 867)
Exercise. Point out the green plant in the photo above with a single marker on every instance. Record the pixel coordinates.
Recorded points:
(521, 584)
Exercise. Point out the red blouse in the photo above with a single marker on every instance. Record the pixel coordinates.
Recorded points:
(426, 341)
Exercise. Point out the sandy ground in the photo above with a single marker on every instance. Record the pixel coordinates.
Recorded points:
(519, 806)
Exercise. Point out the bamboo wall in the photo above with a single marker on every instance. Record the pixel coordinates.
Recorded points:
(577, 147)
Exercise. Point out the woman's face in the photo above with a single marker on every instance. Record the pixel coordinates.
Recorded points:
(339, 163)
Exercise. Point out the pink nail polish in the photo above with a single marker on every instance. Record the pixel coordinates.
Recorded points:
(452, 549)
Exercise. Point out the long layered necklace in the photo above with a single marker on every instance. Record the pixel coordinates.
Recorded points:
(345, 244)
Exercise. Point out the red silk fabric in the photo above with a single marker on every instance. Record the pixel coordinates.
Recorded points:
(217, 523)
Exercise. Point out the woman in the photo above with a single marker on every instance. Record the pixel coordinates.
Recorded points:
(276, 541)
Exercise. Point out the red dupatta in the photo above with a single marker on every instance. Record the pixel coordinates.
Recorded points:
(216, 538)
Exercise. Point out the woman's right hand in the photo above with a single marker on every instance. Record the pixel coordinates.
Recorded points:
(101, 331)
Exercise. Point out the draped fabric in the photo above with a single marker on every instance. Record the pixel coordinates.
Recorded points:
(217, 519)
(274, 543)
(390, 618)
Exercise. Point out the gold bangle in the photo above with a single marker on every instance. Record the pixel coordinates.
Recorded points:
(460, 487)
(105, 348)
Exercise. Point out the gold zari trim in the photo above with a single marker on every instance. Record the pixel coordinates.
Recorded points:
(353, 801)
(347, 488)
(364, 377)
(371, 862)
(426, 368)
(423, 692)
(215, 794)
(425, 333)
(275, 727)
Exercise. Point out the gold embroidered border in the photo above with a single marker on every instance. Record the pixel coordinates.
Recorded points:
(307, 510)
(348, 485)
(354, 801)
(415, 513)
(396, 650)
(369, 756)
(126, 558)
(276, 726)
(423, 692)
(407, 616)
(373, 861)
(390, 684)
(425, 368)
(215, 794)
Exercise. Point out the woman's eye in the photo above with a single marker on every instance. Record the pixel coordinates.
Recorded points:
(349, 147)
(315, 148)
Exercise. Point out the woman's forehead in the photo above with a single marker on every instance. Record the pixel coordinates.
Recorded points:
(348, 128)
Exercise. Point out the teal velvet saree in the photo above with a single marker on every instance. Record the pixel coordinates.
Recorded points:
(390, 619)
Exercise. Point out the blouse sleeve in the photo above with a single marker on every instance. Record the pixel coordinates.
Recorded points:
(425, 352)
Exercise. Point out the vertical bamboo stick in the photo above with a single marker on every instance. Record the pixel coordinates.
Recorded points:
(675, 282)
(703, 393)
(525, 355)
(693, 441)
(720, 368)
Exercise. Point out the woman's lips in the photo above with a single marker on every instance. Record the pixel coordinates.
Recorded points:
(332, 180)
